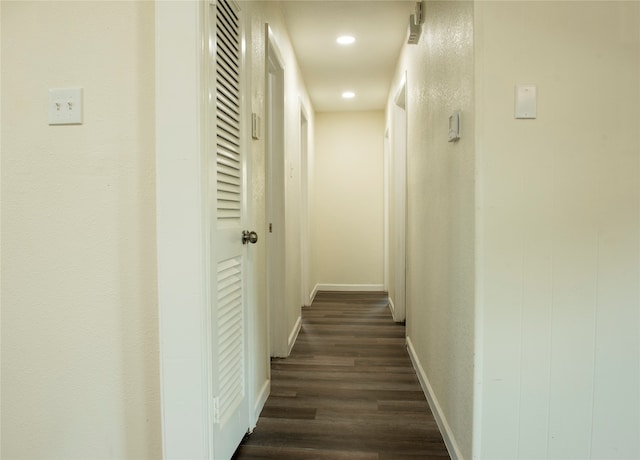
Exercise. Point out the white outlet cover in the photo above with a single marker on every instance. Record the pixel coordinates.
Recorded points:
(526, 101)
(65, 106)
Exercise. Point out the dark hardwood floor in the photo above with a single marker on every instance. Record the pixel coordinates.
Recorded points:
(347, 391)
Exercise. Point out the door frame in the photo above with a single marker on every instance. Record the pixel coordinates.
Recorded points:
(386, 154)
(399, 195)
(275, 196)
(184, 294)
(305, 224)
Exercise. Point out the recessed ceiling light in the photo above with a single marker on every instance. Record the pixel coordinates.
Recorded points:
(348, 95)
(345, 40)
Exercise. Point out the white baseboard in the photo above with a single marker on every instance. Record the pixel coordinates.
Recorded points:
(349, 287)
(260, 402)
(441, 420)
(294, 335)
(392, 307)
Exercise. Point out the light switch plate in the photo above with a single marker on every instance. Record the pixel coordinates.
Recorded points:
(526, 101)
(65, 106)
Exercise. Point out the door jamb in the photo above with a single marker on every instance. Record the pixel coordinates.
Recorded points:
(400, 196)
(386, 213)
(275, 201)
(305, 252)
(182, 276)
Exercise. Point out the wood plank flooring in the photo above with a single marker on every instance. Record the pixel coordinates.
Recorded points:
(347, 391)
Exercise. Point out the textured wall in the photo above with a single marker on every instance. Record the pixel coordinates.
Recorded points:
(441, 210)
(79, 316)
(559, 231)
(258, 14)
(295, 97)
(348, 206)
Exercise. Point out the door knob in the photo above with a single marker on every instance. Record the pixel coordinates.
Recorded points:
(249, 237)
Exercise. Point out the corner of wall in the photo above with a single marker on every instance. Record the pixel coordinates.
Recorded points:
(447, 433)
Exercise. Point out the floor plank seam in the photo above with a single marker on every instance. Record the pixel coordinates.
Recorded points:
(347, 391)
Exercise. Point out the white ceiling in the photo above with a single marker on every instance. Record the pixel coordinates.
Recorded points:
(366, 67)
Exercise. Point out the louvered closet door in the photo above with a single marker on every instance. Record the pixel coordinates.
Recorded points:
(227, 189)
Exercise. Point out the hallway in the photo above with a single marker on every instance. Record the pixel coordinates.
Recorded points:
(347, 391)
(488, 179)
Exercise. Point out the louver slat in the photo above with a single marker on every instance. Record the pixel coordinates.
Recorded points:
(229, 166)
(230, 333)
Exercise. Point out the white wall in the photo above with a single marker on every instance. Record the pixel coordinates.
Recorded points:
(80, 374)
(295, 96)
(440, 214)
(559, 231)
(259, 14)
(554, 236)
(347, 215)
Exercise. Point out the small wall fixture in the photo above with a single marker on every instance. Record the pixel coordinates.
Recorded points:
(419, 12)
(415, 23)
(415, 30)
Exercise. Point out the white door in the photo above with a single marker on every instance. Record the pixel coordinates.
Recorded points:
(227, 200)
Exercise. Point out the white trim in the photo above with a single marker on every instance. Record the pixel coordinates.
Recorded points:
(441, 420)
(392, 307)
(275, 194)
(399, 157)
(263, 394)
(479, 245)
(348, 288)
(386, 154)
(182, 273)
(293, 336)
(313, 293)
(251, 360)
(305, 224)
